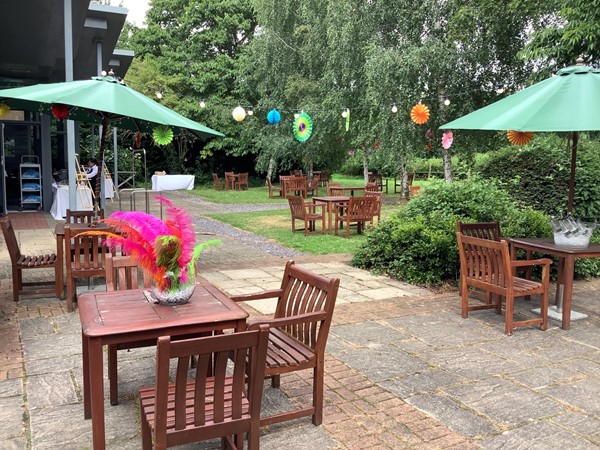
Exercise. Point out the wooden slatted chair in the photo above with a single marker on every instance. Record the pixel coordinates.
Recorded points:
(298, 333)
(312, 187)
(335, 192)
(297, 185)
(325, 177)
(218, 184)
(379, 196)
(83, 216)
(306, 212)
(242, 181)
(358, 211)
(85, 257)
(229, 180)
(283, 179)
(206, 407)
(486, 264)
(20, 262)
(274, 191)
(371, 186)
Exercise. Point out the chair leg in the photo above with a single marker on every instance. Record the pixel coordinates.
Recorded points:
(17, 276)
(508, 318)
(70, 293)
(57, 287)
(112, 375)
(146, 432)
(465, 297)
(275, 381)
(544, 310)
(318, 374)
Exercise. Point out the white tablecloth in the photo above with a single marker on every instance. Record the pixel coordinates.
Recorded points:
(61, 201)
(172, 182)
(109, 188)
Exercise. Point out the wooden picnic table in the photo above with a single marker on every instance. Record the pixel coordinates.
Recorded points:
(128, 316)
(330, 201)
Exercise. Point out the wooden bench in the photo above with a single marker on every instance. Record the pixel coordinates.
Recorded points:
(486, 264)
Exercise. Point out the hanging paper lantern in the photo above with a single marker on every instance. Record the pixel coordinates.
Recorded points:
(4, 109)
(273, 117)
(60, 111)
(447, 139)
(419, 113)
(162, 135)
(519, 137)
(302, 127)
(238, 113)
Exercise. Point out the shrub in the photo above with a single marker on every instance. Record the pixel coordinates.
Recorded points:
(418, 245)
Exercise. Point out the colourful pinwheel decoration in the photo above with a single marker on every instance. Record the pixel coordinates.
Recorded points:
(419, 113)
(162, 135)
(302, 127)
(519, 137)
(447, 139)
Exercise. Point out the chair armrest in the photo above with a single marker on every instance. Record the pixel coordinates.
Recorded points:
(312, 207)
(531, 262)
(275, 293)
(295, 320)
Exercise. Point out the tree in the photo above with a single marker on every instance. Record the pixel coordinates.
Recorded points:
(569, 30)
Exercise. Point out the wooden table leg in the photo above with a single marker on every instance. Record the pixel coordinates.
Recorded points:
(96, 392)
(560, 282)
(569, 267)
(60, 274)
(87, 407)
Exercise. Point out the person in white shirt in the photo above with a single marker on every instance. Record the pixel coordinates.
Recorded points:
(92, 173)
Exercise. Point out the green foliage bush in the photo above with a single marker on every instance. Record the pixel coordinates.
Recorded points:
(537, 175)
(418, 245)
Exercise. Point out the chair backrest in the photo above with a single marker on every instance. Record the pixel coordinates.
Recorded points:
(296, 183)
(362, 208)
(482, 230)
(85, 253)
(371, 186)
(410, 177)
(325, 175)
(82, 216)
(11, 240)
(328, 187)
(296, 173)
(306, 292)
(210, 406)
(243, 178)
(216, 181)
(122, 273)
(485, 262)
(297, 207)
(377, 195)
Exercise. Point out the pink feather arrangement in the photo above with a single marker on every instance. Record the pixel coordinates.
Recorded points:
(165, 249)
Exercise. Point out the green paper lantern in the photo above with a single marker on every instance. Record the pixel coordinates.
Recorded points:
(162, 135)
(302, 127)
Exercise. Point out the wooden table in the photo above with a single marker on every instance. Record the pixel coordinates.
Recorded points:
(127, 316)
(566, 266)
(59, 231)
(343, 189)
(330, 201)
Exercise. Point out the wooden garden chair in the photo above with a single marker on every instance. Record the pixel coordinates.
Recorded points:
(298, 333)
(379, 196)
(20, 263)
(358, 211)
(313, 186)
(224, 404)
(218, 184)
(242, 181)
(307, 212)
(83, 216)
(486, 264)
(296, 185)
(274, 191)
(229, 180)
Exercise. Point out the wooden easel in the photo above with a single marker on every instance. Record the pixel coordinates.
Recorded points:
(82, 182)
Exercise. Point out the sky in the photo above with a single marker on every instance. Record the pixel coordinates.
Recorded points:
(137, 10)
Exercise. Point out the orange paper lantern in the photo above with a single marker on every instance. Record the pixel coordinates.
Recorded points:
(419, 114)
(519, 137)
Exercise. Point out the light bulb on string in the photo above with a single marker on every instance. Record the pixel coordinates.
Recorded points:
(296, 115)
(394, 108)
(345, 113)
(250, 111)
(159, 95)
(446, 101)
(202, 103)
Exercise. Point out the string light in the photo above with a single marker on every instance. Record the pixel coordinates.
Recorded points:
(250, 111)
(394, 108)
(446, 101)
(159, 95)
(202, 103)
(345, 113)
(296, 115)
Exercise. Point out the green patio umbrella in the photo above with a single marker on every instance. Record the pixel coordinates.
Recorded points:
(103, 100)
(568, 101)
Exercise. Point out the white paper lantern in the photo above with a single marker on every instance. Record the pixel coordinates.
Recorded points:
(239, 113)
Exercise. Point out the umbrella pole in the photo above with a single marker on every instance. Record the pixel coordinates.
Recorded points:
(572, 179)
(97, 188)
